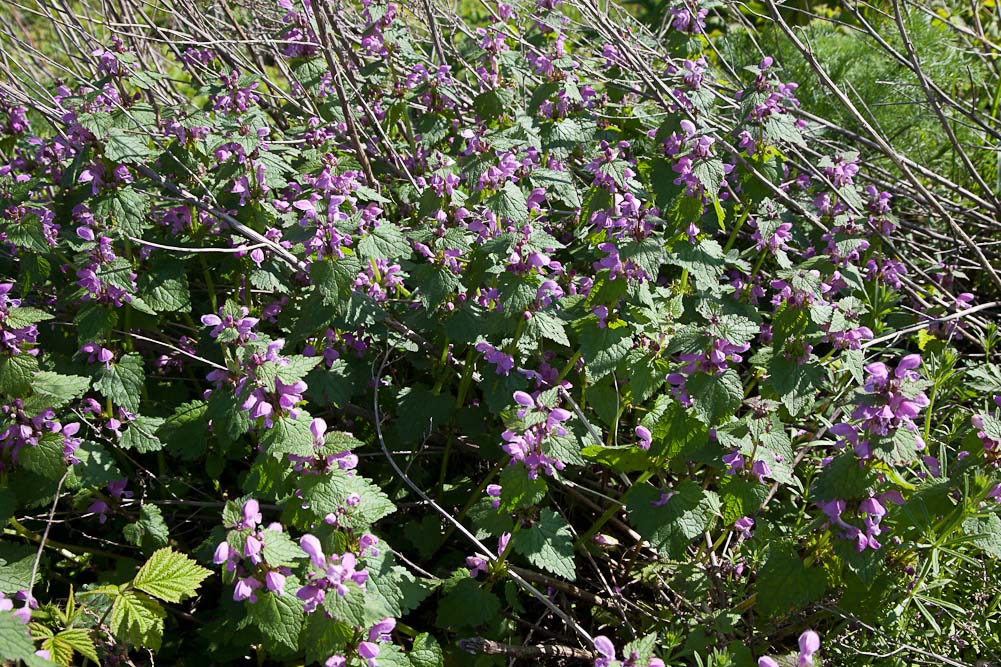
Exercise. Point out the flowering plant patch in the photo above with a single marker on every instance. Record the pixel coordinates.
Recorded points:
(420, 340)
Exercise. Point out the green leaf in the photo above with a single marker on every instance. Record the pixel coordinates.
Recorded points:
(349, 608)
(322, 637)
(986, 533)
(122, 146)
(46, 458)
(141, 435)
(52, 390)
(137, 619)
(19, 317)
(279, 617)
(740, 497)
(15, 642)
(289, 436)
(16, 561)
(785, 584)
(898, 447)
(165, 288)
(844, 477)
(150, 532)
(170, 576)
(671, 526)
(704, 261)
(125, 207)
(709, 173)
(279, 549)
(79, 640)
(436, 284)
(185, 430)
(122, 382)
(16, 374)
(426, 652)
(548, 545)
(715, 397)
(467, 605)
(97, 467)
(384, 242)
(518, 490)
(603, 348)
(646, 373)
(334, 278)
(795, 384)
(548, 326)
(509, 202)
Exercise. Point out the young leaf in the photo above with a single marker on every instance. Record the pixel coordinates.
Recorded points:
(170, 576)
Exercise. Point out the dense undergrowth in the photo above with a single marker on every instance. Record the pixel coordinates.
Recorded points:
(387, 336)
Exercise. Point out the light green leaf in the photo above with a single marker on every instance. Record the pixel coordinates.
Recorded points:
(170, 576)
(137, 619)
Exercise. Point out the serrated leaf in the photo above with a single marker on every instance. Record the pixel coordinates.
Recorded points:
(125, 207)
(79, 640)
(795, 384)
(45, 458)
(603, 348)
(279, 549)
(52, 390)
(986, 533)
(19, 317)
(141, 435)
(426, 652)
(278, 617)
(509, 203)
(16, 374)
(15, 642)
(384, 242)
(137, 619)
(170, 576)
(709, 173)
(288, 436)
(122, 381)
(715, 397)
(548, 545)
(165, 288)
(16, 561)
(150, 532)
(704, 261)
(122, 146)
(334, 278)
(349, 608)
(671, 526)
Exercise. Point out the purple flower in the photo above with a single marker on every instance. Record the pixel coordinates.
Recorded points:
(312, 547)
(368, 651)
(743, 527)
(275, 582)
(380, 631)
(809, 643)
(244, 589)
(606, 651)
(645, 437)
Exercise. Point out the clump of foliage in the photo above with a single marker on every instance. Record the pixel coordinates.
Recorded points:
(384, 337)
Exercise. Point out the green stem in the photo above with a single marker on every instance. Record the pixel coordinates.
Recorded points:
(733, 235)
